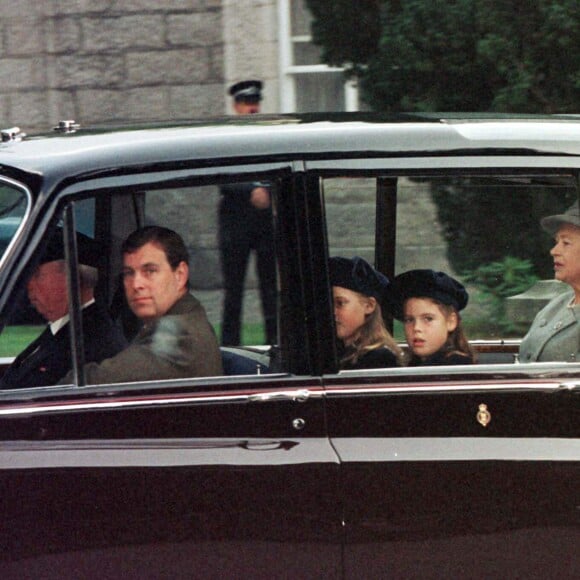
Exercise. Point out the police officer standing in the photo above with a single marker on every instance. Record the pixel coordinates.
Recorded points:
(245, 223)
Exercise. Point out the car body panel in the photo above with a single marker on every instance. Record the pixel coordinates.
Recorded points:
(303, 470)
(433, 487)
(179, 469)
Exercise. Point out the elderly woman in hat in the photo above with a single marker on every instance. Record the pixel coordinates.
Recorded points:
(358, 291)
(554, 334)
(429, 303)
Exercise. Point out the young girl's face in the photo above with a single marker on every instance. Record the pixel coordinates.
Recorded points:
(426, 326)
(350, 312)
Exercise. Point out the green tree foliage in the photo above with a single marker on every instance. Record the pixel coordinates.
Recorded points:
(465, 55)
(484, 221)
(348, 31)
(500, 280)
(456, 55)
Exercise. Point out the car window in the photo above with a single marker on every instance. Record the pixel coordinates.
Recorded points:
(23, 323)
(482, 229)
(13, 207)
(193, 211)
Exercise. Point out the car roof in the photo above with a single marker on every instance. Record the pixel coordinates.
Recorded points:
(233, 139)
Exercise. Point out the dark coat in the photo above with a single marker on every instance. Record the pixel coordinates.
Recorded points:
(240, 222)
(377, 358)
(442, 357)
(236, 199)
(181, 344)
(47, 359)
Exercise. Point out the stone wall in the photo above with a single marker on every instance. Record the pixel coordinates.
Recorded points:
(350, 212)
(250, 29)
(114, 60)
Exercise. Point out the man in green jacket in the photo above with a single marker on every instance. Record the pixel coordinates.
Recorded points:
(176, 339)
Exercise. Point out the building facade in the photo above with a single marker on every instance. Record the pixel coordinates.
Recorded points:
(116, 61)
(138, 60)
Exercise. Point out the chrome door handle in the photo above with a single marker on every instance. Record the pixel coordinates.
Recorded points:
(568, 387)
(299, 396)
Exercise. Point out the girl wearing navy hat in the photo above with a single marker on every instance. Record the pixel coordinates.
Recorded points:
(428, 303)
(358, 290)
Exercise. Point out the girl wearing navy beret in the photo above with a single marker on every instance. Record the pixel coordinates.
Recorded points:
(429, 303)
(358, 291)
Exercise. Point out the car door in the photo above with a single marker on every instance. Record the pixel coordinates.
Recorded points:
(455, 471)
(229, 476)
(181, 481)
(454, 474)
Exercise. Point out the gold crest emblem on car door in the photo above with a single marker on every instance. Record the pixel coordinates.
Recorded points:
(483, 415)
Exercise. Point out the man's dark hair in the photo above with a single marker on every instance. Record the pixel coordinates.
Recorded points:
(171, 243)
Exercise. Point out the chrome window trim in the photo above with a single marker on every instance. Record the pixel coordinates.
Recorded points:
(165, 452)
(246, 394)
(532, 370)
(482, 387)
(158, 178)
(432, 449)
(463, 162)
(132, 388)
(541, 377)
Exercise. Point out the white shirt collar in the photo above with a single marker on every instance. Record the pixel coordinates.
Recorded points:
(58, 324)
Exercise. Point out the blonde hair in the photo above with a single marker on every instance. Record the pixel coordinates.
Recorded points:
(373, 334)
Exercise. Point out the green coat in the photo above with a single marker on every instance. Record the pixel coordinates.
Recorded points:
(181, 344)
(554, 334)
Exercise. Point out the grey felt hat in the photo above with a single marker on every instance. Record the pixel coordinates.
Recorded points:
(553, 223)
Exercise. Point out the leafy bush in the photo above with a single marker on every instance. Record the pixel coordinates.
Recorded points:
(485, 220)
(497, 281)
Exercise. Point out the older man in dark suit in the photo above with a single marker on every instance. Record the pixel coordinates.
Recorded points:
(48, 358)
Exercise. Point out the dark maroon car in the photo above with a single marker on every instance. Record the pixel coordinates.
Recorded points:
(286, 467)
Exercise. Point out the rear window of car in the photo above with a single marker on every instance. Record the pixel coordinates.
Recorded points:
(482, 229)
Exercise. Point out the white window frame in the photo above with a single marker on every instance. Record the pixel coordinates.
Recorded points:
(288, 71)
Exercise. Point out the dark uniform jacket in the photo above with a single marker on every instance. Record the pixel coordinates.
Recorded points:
(181, 344)
(555, 333)
(48, 358)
